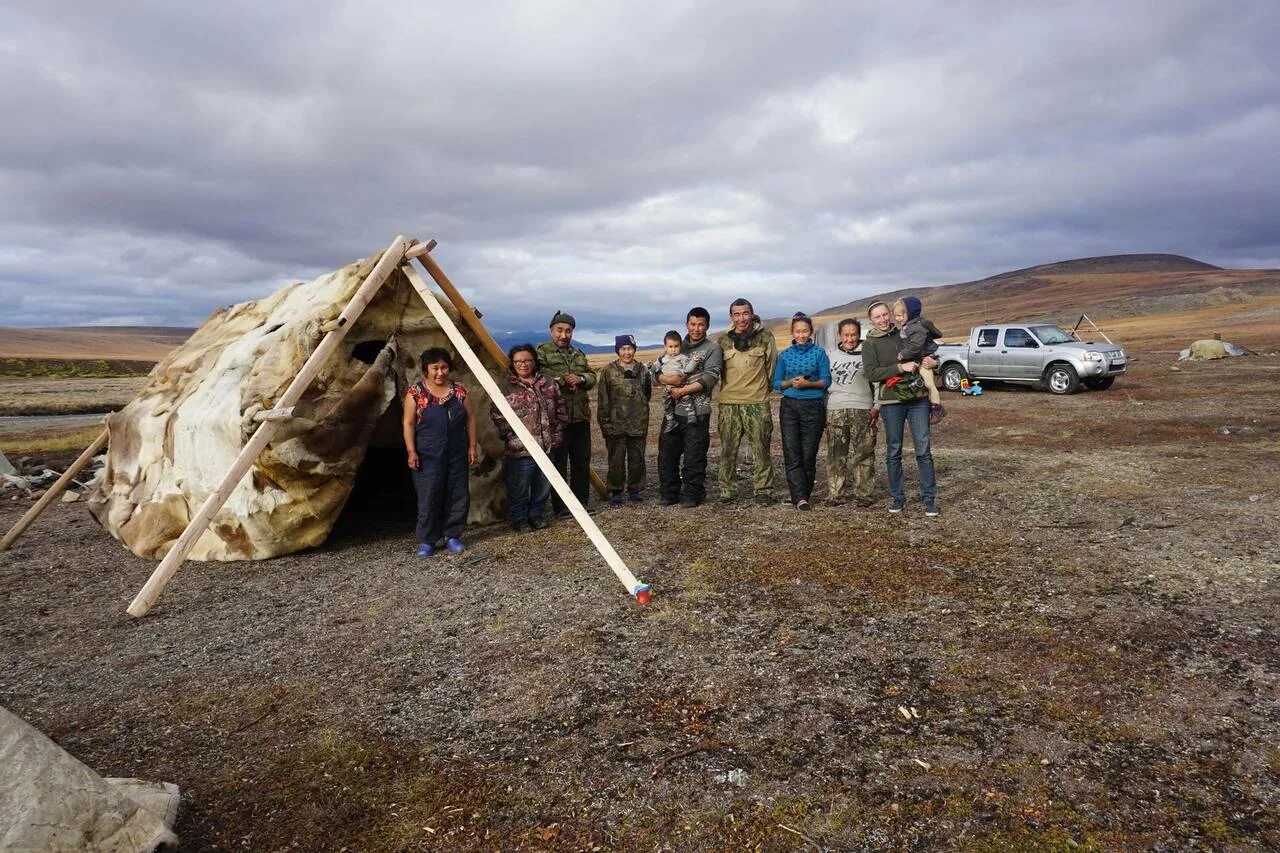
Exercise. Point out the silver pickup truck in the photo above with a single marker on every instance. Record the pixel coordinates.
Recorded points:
(1033, 353)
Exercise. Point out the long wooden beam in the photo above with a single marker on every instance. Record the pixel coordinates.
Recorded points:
(417, 250)
(472, 320)
(160, 578)
(53, 491)
(633, 586)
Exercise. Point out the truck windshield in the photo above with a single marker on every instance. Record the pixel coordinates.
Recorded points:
(1052, 335)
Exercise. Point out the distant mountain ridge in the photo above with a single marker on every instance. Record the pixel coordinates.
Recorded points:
(1165, 299)
(509, 339)
(1154, 300)
(1113, 264)
(1102, 265)
(138, 343)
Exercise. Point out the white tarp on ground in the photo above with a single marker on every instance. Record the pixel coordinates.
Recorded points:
(1210, 348)
(49, 801)
(5, 466)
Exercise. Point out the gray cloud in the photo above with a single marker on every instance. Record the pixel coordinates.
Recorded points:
(621, 161)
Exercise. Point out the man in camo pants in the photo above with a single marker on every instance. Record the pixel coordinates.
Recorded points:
(851, 419)
(749, 354)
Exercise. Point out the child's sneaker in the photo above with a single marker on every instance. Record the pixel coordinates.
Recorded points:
(454, 545)
(931, 509)
(668, 422)
(897, 504)
(936, 412)
(635, 497)
(615, 499)
(426, 549)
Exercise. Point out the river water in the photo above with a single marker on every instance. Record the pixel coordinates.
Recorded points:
(12, 424)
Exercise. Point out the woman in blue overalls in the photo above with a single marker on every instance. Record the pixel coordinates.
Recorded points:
(440, 435)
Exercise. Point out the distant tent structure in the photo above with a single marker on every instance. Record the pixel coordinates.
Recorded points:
(246, 442)
(1208, 349)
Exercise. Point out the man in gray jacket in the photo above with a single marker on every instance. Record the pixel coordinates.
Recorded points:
(692, 435)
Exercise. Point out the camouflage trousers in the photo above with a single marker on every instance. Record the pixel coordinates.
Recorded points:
(851, 443)
(753, 422)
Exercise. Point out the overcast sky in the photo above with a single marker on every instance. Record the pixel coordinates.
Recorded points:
(621, 161)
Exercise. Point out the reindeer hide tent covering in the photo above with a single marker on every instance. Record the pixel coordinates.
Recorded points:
(170, 446)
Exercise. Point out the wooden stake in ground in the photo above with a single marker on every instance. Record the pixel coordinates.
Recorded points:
(155, 585)
(472, 320)
(634, 587)
(53, 491)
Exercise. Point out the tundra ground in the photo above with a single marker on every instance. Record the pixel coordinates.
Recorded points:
(1080, 652)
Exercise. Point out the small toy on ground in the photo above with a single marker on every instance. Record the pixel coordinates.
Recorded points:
(973, 389)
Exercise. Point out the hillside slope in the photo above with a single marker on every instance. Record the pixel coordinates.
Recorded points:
(1176, 300)
(136, 343)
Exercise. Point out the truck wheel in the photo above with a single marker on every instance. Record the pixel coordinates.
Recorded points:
(1061, 379)
(1101, 383)
(951, 376)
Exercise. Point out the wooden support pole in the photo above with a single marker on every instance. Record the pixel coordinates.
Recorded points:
(472, 320)
(419, 249)
(53, 491)
(634, 587)
(276, 414)
(155, 585)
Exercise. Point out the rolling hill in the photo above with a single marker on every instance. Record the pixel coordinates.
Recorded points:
(126, 343)
(1143, 301)
(1146, 302)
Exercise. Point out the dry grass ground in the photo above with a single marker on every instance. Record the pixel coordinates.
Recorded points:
(1080, 653)
(19, 396)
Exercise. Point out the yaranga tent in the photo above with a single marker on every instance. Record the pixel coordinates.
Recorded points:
(1209, 349)
(170, 447)
(275, 389)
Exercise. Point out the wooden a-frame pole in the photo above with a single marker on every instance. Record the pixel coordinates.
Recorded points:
(155, 585)
(53, 491)
(472, 320)
(499, 400)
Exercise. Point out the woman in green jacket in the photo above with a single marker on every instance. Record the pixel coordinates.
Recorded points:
(880, 363)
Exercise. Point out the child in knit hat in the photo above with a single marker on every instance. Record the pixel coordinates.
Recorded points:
(917, 335)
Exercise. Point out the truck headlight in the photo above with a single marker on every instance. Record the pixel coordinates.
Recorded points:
(1093, 356)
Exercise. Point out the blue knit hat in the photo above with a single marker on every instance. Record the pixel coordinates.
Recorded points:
(620, 341)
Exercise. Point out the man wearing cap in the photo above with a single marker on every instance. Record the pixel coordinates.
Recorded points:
(749, 352)
(566, 365)
(690, 436)
(622, 408)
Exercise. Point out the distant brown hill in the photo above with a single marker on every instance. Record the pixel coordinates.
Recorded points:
(1143, 301)
(134, 343)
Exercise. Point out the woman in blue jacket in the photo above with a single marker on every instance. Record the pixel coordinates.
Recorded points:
(802, 374)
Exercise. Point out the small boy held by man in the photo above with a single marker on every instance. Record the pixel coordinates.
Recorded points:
(673, 363)
(917, 335)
